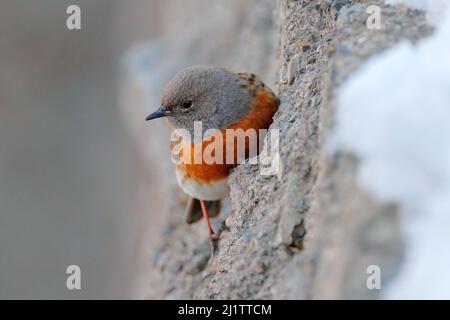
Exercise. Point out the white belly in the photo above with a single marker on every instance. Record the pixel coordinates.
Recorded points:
(213, 191)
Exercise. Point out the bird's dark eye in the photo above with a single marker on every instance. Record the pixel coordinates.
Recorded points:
(186, 104)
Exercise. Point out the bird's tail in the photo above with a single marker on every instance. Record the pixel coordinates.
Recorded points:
(193, 211)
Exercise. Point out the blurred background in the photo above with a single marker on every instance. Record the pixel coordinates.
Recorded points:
(68, 170)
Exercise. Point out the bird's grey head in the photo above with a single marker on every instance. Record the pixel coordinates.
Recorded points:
(215, 96)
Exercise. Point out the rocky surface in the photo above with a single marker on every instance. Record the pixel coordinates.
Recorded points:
(310, 232)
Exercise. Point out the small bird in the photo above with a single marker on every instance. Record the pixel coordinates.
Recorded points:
(222, 100)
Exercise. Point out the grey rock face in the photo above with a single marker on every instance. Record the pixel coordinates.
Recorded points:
(312, 232)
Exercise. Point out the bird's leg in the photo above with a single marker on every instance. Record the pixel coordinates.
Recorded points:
(212, 236)
(205, 214)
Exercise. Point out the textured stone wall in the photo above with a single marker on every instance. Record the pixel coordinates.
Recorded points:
(310, 232)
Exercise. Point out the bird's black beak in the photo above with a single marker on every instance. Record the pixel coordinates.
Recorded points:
(158, 113)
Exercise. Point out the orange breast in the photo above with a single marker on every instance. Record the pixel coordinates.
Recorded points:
(259, 117)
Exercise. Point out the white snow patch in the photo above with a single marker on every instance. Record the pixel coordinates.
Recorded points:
(394, 114)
